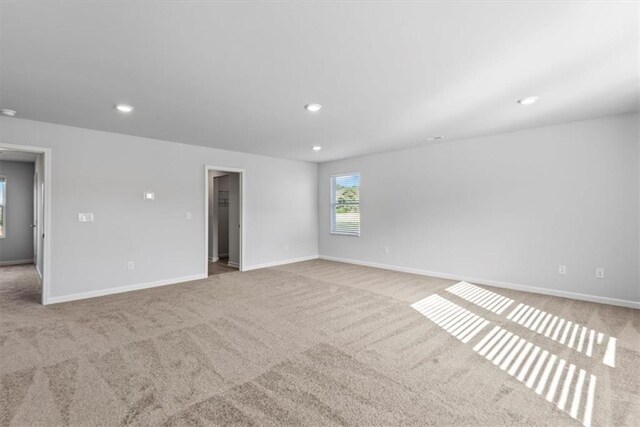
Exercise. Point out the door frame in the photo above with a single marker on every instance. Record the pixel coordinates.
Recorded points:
(46, 179)
(241, 201)
(36, 222)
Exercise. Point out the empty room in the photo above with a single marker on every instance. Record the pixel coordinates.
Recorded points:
(319, 213)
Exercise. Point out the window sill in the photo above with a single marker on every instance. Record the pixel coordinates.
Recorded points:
(345, 234)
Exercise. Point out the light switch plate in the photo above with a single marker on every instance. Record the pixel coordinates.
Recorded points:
(149, 195)
(85, 217)
(188, 216)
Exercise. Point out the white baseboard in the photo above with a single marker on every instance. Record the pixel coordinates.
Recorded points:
(136, 287)
(506, 285)
(17, 262)
(213, 258)
(120, 289)
(281, 262)
(233, 264)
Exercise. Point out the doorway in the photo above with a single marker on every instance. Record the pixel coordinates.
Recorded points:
(224, 213)
(25, 176)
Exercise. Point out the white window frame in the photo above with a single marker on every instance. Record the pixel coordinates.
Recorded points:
(332, 204)
(4, 207)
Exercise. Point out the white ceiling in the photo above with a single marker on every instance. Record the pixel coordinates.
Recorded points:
(389, 75)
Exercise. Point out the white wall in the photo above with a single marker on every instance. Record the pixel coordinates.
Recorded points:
(106, 173)
(504, 209)
(17, 245)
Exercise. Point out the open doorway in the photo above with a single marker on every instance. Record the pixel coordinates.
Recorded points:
(24, 252)
(224, 220)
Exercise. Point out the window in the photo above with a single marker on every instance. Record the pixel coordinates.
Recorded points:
(3, 206)
(345, 204)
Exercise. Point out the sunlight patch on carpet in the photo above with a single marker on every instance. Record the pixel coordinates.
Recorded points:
(459, 322)
(576, 337)
(560, 382)
(481, 297)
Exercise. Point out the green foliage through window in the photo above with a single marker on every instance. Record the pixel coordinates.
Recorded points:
(345, 204)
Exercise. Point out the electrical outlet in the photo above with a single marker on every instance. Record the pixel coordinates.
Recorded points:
(600, 273)
(85, 217)
(562, 270)
(385, 249)
(188, 216)
(131, 265)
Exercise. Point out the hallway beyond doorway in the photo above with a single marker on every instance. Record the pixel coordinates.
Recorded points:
(221, 266)
(223, 210)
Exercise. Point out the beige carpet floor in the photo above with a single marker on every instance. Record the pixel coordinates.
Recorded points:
(312, 343)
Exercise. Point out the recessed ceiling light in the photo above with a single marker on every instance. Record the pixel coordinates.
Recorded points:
(124, 108)
(314, 108)
(7, 112)
(316, 148)
(435, 138)
(528, 100)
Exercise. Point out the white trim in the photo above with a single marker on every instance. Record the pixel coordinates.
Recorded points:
(243, 179)
(213, 258)
(505, 285)
(121, 289)
(281, 262)
(232, 264)
(48, 190)
(17, 262)
(3, 205)
(39, 272)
